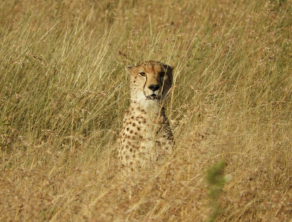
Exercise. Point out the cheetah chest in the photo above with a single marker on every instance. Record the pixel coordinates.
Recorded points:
(145, 139)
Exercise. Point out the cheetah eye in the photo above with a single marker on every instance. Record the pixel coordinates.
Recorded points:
(143, 74)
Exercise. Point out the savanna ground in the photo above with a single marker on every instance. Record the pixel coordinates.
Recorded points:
(63, 90)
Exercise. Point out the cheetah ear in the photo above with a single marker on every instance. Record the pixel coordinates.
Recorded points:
(129, 68)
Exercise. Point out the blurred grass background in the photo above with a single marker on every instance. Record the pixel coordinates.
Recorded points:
(63, 91)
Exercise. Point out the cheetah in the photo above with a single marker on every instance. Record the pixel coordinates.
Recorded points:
(146, 139)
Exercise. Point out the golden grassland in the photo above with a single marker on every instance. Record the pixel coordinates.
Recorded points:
(63, 90)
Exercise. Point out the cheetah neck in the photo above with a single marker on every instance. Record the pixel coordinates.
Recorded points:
(150, 108)
(154, 116)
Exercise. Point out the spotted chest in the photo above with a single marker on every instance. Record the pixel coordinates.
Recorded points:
(144, 139)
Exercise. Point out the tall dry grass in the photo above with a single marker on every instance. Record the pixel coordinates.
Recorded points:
(63, 91)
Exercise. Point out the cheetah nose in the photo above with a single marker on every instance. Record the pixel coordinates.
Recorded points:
(154, 87)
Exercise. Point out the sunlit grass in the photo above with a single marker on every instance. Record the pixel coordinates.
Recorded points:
(63, 90)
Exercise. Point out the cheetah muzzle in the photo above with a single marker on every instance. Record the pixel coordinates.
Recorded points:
(153, 97)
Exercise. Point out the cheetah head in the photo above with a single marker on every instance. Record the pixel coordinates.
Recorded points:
(150, 81)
